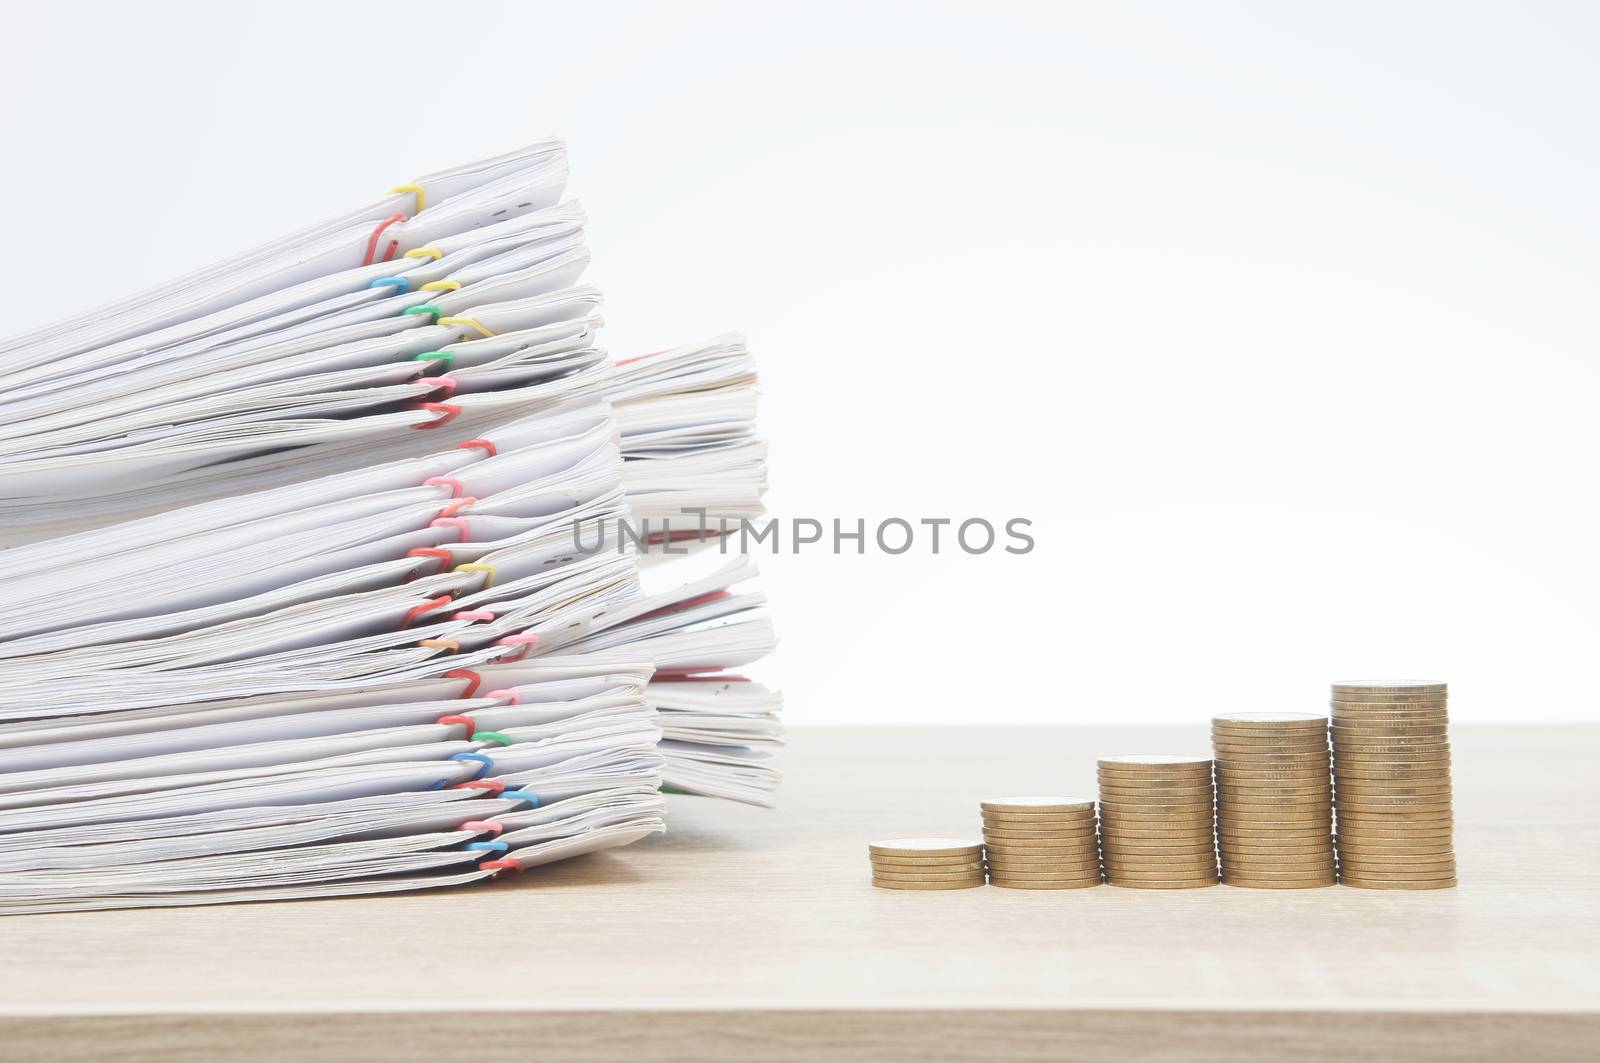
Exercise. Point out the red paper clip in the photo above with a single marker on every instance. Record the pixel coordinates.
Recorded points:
(441, 556)
(461, 718)
(526, 640)
(499, 865)
(448, 412)
(427, 606)
(466, 673)
(372, 241)
(478, 444)
(494, 786)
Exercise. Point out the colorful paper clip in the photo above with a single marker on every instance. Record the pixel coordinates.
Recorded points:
(487, 763)
(521, 795)
(372, 241)
(441, 286)
(486, 570)
(458, 718)
(489, 847)
(415, 190)
(425, 252)
(497, 737)
(469, 674)
(391, 282)
(426, 607)
(479, 444)
(471, 323)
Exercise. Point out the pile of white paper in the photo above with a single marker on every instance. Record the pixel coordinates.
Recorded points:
(393, 609)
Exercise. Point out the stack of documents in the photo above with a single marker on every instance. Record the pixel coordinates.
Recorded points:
(357, 566)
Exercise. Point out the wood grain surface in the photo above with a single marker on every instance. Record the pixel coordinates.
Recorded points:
(754, 935)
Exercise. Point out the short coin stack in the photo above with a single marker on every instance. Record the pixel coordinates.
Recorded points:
(1274, 799)
(1156, 821)
(1041, 843)
(926, 863)
(1391, 769)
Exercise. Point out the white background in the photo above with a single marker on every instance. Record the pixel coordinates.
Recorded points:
(1279, 321)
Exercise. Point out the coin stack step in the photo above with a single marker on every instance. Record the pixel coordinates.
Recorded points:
(926, 863)
(1274, 799)
(1156, 826)
(1041, 843)
(1391, 775)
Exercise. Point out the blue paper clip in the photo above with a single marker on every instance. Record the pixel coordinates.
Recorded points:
(489, 847)
(391, 282)
(488, 765)
(521, 795)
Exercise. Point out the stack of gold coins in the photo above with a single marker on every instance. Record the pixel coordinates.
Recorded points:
(1156, 821)
(1041, 843)
(1391, 771)
(1274, 799)
(926, 863)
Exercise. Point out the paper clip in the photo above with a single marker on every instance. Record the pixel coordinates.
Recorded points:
(424, 308)
(438, 554)
(493, 786)
(461, 718)
(491, 736)
(527, 640)
(450, 645)
(521, 795)
(483, 824)
(372, 241)
(391, 282)
(478, 566)
(499, 865)
(488, 847)
(426, 607)
(448, 411)
(478, 444)
(511, 697)
(441, 286)
(472, 323)
(463, 529)
(452, 508)
(425, 252)
(415, 190)
(475, 615)
(469, 674)
(486, 765)
(447, 357)
(446, 481)
(446, 384)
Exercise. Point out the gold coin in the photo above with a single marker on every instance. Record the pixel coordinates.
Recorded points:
(1242, 882)
(1186, 786)
(897, 884)
(1157, 820)
(1389, 685)
(1067, 884)
(1188, 849)
(1043, 839)
(927, 868)
(1382, 869)
(926, 847)
(1151, 761)
(1272, 837)
(1379, 839)
(1036, 805)
(1385, 875)
(1318, 845)
(1371, 884)
(1039, 826)
(1280, 863)
(1267, 719)
(1187, 884)
(1154, 837)
(1266, 795)
(1083, 815)
(1157, 807)
(1405, 788)
(1024, 873)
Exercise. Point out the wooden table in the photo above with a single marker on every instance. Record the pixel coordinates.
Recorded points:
(753, 935)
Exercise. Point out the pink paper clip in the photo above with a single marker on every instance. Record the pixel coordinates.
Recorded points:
(478, 444)
(457, 523)
(511, 697)
(426, 607)
(482, 615)
(446, 384)
(526, 640)
(483, 824)
(456, 490)
(456, 506)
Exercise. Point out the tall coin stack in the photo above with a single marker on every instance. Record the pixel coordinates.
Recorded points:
(1391, 771)
(926, 863)
(1156, 828)
(1041, 843)
(1274, 799)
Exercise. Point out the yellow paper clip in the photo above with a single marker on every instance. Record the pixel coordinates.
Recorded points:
(425, 252)
(441, 644)
(467, 321)
(479, 566)
(415, 190)
(440, 286)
